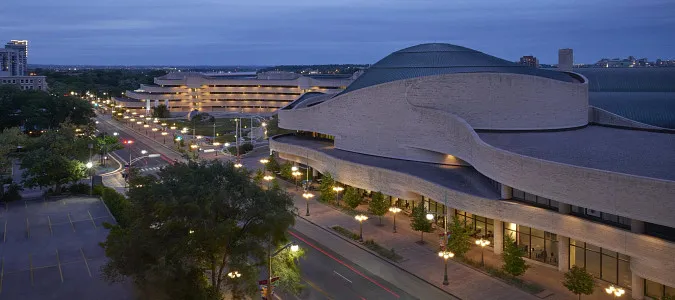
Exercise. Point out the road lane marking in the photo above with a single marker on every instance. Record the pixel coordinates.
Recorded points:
(86, 263)
(58, 262)
(2, 273)
(345, 278)
(92, 219)
(71, 222)
(51, 233)
(314, 286)
(344, 264)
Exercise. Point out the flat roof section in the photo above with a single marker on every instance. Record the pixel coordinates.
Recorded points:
(463, 179)
(634, 152)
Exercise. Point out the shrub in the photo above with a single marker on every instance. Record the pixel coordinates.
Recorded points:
(378, 206)
(514, 263)
(388, 253)
(246, 147)
(352, 198)
(13, 193)
(346, 232)
(118, 205)
(79, 189)
(579, 281)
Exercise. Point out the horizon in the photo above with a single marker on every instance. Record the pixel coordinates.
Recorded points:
(303, 32)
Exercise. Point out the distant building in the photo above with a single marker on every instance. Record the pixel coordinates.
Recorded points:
(565, 59)
(183, 92)
(529, 60)
(14, 67)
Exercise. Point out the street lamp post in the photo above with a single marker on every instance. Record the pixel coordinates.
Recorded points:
(91, 177)
(337, 190)
(482, 243)
(296, 174)
(445, 255)
(615, 291)
(164, 134)
(264, 161)
(361, 218)
(307, 195)
(234, 274)
(268, 178)
(395, 210)
(293, 247)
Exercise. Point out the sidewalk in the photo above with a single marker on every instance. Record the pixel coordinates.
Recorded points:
(420, 260)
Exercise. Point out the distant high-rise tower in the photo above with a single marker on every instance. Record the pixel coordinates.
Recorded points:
(529, 60)
(565, 59)
(20, 66)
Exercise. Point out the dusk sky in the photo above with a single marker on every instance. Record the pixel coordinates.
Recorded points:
(270, 32)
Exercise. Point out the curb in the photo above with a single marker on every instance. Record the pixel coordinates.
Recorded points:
(376, 255)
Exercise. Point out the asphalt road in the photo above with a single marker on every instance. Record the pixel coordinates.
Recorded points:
(327, 275)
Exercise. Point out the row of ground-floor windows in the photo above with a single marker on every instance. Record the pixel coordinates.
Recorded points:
(657, 290)
(607, 265)
(537, 244)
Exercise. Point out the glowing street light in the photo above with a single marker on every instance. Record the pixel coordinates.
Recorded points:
(430, 216)
(615, 291)
(395, 210)
(361, 218)
(296, 174)
(238, 165)
(307, 195)
(234, 274)
(337, 190)
(445, 255)
(482, 243)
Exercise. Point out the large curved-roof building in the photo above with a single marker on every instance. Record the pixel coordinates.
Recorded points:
(516, 149)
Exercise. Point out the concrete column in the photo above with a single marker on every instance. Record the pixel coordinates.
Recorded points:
(315, 173)
(637, 226)
(563, 253)
(507, 192)
(638, 287)
(499, 237)
(451, 213)
(564, 208)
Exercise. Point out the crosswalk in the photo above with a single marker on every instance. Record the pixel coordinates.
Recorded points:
(150, 169)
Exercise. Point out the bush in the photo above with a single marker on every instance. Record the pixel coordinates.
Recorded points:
(352, 198)
(388, 253)
(117, 204)
(246, 147)
(346, 232)
(79, 189)
(13, 193)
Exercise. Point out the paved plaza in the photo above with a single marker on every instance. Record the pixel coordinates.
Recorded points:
(50, 250)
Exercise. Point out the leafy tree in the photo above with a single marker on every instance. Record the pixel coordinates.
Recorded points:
(352, 198)
(287, 170)
(258, 177)
(273, 164)
(579, 281)
(419, 220)
(106, 144)
(183, 239)
(459, 241)
(161, 111)
(514, 263)
(10, 139)
(326, 188)
(378, 205)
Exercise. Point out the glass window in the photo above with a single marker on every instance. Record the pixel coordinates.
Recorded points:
(530, 197)
(577, 256)
(625, 278)
(654, 289)
(609, 268)
(593, 263)
(537, 232)
(518, 194)
(670, 291)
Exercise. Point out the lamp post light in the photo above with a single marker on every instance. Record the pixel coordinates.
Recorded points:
(268, 178)
(89, 165)
(164, 134)
(264, 161)
(482, 243)
(238, 165)
(445, 255)
(292, 247)
(234, 274)
(361, 218)
(337, 190)
(615, 291)
(430, 216)
(154, 130)
(307, 195)
(296, 174)
(216, 144)
(146, 126)
(395, 210)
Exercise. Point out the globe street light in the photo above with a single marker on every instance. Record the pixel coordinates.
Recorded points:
(482, 243)
(615, 291)
(264, 161)
(296, 174)
(164, 134)
(234, 274)
(445, 255)
(307, 195)
(238, 165)
(361, 218)
(430, 216)
(395, 210)
(89, 165)
(337, 190)
(268, 178)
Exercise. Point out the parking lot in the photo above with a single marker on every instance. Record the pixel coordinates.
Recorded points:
(50, 250)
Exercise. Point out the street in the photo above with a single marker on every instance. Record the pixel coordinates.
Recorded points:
(327, 275)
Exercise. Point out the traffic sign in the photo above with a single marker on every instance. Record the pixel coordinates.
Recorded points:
(264, 281)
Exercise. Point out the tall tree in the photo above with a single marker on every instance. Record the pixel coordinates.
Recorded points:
(10, 140)
(419, 220)
(459, 241)
(514, 263)
(161, 111)
(273, 164)
(287, 170)
(352, 198)
(183, 238)
(326, 188)
(579, 281)
(378, 206)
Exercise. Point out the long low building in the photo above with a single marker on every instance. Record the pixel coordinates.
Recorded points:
(261, 93)
(512, 150)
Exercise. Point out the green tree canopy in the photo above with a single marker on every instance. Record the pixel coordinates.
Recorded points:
(378, 205)
(273, 164)
(10, 140)
(514, 263)
(579, 281)
(161, 111)
(352, 198)
(287, 170)
(459, 241)
(419, 220)
(183, 238)
(326, 188)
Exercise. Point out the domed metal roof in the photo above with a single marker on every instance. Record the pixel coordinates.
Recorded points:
(436, 59)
